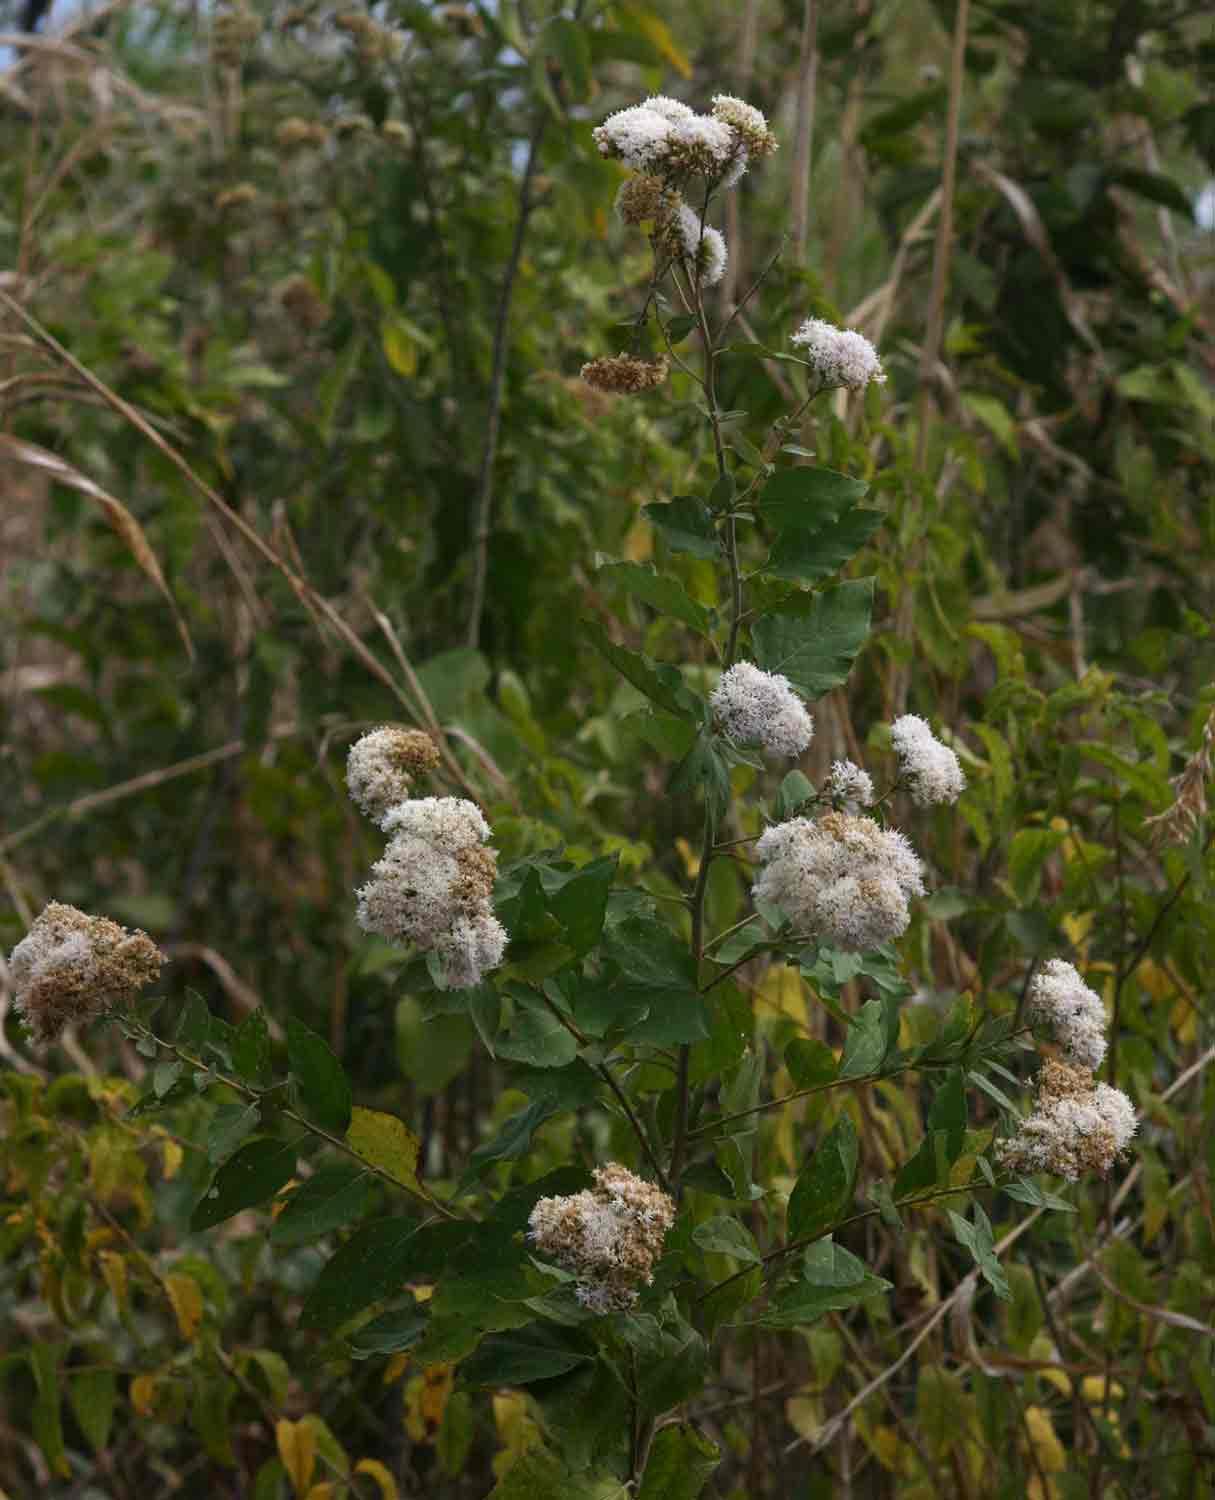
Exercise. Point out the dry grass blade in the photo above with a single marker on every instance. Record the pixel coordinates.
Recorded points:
(119, 517)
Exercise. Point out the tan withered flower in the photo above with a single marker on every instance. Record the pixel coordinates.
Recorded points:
(382, 765)
(1178, 823)
(625, 374)
(1077, 1126)
(71, 967)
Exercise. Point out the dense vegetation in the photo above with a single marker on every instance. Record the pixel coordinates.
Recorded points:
(293, 305)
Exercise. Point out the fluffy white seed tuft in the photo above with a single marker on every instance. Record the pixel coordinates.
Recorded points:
(1075, 1014)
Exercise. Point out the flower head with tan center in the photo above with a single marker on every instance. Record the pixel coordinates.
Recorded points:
(381, 767)
(1077, 1126)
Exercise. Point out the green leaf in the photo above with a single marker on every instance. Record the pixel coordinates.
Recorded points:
(93, 1394)
(1156, 188)
(686, 526)
(659, 590)
(1028, 852)
(704, 767)
(331, 1198)
(810, 1062)
(680, 1464)
(807, 556)
(536, 1036)
(251, 1049)
(230, 1124)
(948, 1113)
(833, 1279)
(391, 1333)
(47, 1422)
(661, 683)
(519, 1357)
(866, 1042)
(579, 902)
(814, 643)
(255, 1173)
(669, 736)
(431, 1049)
(193, 1027)
(323, 1085)
(807, 498)
(1026, 1191)
(794, 790)
(725, 1236)
(567, 42)
(977, 1238)
(824, 1189)
(372, 1264)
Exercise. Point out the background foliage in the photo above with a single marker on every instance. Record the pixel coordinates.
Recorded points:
(283, 244)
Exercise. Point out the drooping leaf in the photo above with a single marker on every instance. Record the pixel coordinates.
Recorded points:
(833, 1279)
(251, 1048)
(824, 1188)
(660, 591)
(520, 1357)
(725, 1236)
(680, 1464)
(323, 1086)
(93, 1395)
(331, 1198)
(661, 683)
(808, 556)
(686, 526)
(865, 1044)
(977, 1238)
(255, 1173)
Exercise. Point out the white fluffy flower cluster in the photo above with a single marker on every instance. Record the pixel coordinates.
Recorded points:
(839, 357)
(1077, 1125)
(932, 770)
(699, 243)
(1060, 999)
(434, 885)
(381, 766)
(841, 878)
(609, 1236)
(756, 707)
(666, 137)
(849, 787)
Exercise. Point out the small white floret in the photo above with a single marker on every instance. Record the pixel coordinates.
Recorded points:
(840, 357)
(932, 770)
(755, 707)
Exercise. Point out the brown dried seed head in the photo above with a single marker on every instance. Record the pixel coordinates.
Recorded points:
(642, 198)
(625, 374)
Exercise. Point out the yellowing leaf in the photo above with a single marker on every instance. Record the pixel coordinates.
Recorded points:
(1060, 1379)
(186, 1296)
(297, 1449)
(173, 1158)
(516, 1430)
(426, 1398)
(143, 1394)
(400, 344)
(114, 1269)
(387, 1484)
(395, 1368)
(1094, 1389)
(1048, 1450)
(658, 34)
(327, 1445)
(385, 1142)
(322, 1491)
(805, 1415)
(781, 992)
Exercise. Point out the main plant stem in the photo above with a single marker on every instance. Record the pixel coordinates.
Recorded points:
(679, 1144)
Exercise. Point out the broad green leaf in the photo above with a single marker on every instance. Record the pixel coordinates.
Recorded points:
(977, 1238)
(431, 1049)
(807, 498)
(824, 1189)
(230, 1124)
(537, 1037)
(866, 1042)
(725, 1236)
(833, 1279)
(251, 1048)
(948, 1113)
(661, 683)
(579, 901)
(323, 1086)
(669, 736)
(1028, 852)
(704, 767)
(680, 1464)
(814, 642)
(794, 790)
(391, 1333)
(806, 556)
(331, 1198)
(372, 1264)
(1025, 1190)
(659, 590)
(385, 1142)
(519, 1357)
(810, 1062)
(47, 1421)
(193, 1028)
(567, 42)
(686, 526)
(93, 1394)
(255, 1173)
